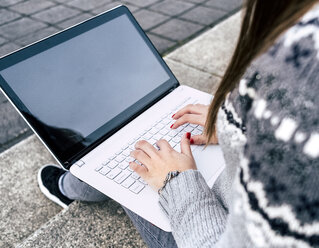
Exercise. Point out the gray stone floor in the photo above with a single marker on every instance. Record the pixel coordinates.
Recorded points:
(168, 23)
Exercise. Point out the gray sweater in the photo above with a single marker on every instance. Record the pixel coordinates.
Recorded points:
(268, 129)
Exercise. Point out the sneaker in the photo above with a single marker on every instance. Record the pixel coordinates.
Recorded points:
(48, 180)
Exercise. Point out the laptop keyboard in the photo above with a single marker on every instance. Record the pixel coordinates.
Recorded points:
(117, 168)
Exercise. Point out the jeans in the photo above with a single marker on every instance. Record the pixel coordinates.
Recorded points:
(75, 189)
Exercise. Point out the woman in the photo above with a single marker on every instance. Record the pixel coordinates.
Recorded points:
(266, 115)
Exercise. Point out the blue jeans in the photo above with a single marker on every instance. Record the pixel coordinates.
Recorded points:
(75, 189)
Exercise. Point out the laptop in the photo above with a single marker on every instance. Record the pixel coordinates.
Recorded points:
(91, 92)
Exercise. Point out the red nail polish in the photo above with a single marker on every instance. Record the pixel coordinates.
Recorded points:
(188, 135)
(173, 115)
(172, 125)
(191, 141)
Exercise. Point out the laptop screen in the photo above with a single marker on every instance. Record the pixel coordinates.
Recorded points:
(84, 88)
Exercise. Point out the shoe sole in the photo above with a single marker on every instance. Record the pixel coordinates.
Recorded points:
(46, 192)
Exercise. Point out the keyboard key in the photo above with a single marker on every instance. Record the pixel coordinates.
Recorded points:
(124, 147)
(104, 170)
(153, 131)
(119, 159)
(126, 153)
(167, 138)
(165, 121)
(137, 187)
(129, 159)
(172, 133)
(157, 136)
(179, 129)
(113, 173)
(118, 152)
(152, 141)
(106, 162)
(159, 126)
(123, 165)
(112, 157)
(200, 128)
(193, 125)
(142, 181)
(188, 129)
(147, 136)
(163, 132)
(196, 132)
(99, 167)
(176, 139)
(122, 176)
(172, 143)
(135, 175)
(112, 164)
(128, 182)
(131, 142)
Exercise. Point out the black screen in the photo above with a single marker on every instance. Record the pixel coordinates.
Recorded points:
(75, 89)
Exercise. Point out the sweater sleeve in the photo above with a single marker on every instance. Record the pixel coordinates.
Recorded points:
(197, 217)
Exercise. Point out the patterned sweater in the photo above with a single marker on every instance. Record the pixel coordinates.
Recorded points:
(268, 195)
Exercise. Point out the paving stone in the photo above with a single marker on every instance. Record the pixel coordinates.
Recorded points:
(172, 7)
(227, 5)
(177, 29)
(75, 20)
(23, 208)
(204, 15)
(20, 28)
(7, 16)
(142, 3)
(87, 5)
(2, 41)
(111, 5)
(219, 43)
(148, 19)
(38, 35)
(192, 77)
(87, 225)
(56, 14)
(5, 3)
(8, 48)
(196, 1)
(11, 124)
(161, 44)
(31, 6)
(2, 98)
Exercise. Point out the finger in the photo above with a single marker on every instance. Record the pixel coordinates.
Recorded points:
(188, 109)
(188, 118)
(198, 140)
(186, 146)
(141, 170)
(146, 147)
(163, 145)
(141, 156)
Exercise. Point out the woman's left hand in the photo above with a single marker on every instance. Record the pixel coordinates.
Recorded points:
(158, 163)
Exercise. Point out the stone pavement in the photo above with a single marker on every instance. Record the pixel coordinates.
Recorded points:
(28, 219)
(168, 23)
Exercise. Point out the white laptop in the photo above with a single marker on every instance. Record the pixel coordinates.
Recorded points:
(91, 92)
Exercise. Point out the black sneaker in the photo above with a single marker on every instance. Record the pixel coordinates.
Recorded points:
(48, 180)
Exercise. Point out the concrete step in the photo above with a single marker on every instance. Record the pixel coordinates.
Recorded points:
(28, 219)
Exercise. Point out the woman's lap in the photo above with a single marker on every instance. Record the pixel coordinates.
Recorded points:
(153, 236)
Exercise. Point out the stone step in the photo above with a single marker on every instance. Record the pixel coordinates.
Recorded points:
(28, 219)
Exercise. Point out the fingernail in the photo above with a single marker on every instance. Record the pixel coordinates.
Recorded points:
(173, 115)
(172, 125)
(188, 135)
(191, 141)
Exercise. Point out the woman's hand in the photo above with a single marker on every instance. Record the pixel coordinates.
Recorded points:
(156, 164)
(194, 114)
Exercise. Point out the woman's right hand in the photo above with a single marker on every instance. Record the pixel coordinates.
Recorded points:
(194, 114)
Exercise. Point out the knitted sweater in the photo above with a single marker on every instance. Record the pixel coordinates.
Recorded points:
(268, 128)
